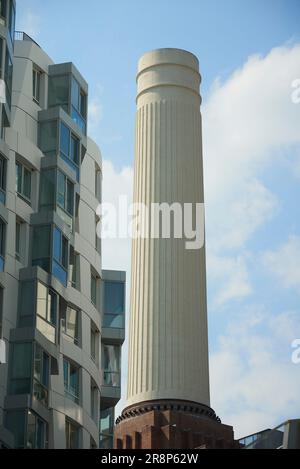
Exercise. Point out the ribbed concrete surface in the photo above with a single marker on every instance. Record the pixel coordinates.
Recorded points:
(168, 351)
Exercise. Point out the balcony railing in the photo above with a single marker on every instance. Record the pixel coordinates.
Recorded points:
(21, 36)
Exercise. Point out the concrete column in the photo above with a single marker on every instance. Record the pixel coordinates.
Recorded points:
(168, 350)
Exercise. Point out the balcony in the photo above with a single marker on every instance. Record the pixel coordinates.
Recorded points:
(21, 36)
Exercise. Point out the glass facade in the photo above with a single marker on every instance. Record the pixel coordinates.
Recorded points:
(79, 105)
(23, 181)
(41, 376)
(60, 256)
(2, 244)
(114, 304)
(41, 246)
(107, 418)
(70, 323)
(72, 435)
(69, 148)
(111, 362)
(46, 310)
(21, 368)
(48, 138)
(71, 381)
(59, 91)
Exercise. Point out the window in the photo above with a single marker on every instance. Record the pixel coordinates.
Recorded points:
(74, 274)
(79, 105)
(41, 375)
(2, 244)
(12, 20)
(60, 256)
(107, 419)
(8, 75)
(70, 323)
(69, 148)
(21, 368)
(94, 282)
(3, 165)
(41, 246)
(114, 304)
(23, 181)
(46, 310)
(15, 423)
(48, 138)
(111, 359)
(59, 91)
(65, 193)
(37, 432)
(71, 381)
(18, 239)
(94, 401)
(36, 84)
(98, 179)
(72, 435)
(47, 189)
(94, 343)
(3, 11)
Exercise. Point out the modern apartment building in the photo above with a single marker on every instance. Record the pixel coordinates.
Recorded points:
(61, 316)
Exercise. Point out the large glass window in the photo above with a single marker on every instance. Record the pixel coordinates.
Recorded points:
(41, 375)
(107, 419)
(94, 283)
(36, 84)
(59, 91)
(41, 246)
(21, 368)
(60, 256)
(72, 435)
(69, 148)
(111, 359)
(46, 312)
(23, 181)
(74, 275)
(79, 105)
(37, 432)
(70, 323)
(114, 307)
(48, 137)
(3, 166)
(65, 193)
(8, 77)
(47, 189)
(71, 381)
(2, 244)
(3, 11)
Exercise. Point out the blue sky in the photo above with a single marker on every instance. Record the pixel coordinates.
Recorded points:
(249, 54)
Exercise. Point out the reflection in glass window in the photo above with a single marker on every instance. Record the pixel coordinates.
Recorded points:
(23, 181)
(94, 283)
(79, 105)
(48, 137)
(21, 368)
(47, 189)
(37, 432)
(3, 11)
(36, 84)
(69, 148)
(114, 304)
(41, 246)
(107, 419)
(12, 21)
(72, 435)
(71, 381)
(65, 193)
(111, 357)
(70, 323)
(8, 75)
(41, 375)
(59, 91)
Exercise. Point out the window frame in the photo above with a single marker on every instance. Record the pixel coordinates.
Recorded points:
(74, 395)
(64, 324)
(36, 84)
(23, 170)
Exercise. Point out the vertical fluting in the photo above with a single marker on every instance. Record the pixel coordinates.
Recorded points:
(168, 349)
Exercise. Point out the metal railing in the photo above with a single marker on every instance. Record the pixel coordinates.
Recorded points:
(21, 36)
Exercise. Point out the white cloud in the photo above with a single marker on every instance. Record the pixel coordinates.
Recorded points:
(246, 122)
(285, 262)
(254, 383)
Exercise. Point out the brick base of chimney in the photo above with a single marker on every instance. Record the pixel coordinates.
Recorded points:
(171, 424)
